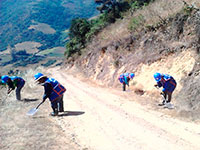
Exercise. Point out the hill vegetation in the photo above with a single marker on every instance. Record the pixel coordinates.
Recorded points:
(83, 30)
(37, 31)
(162, 36)
(22, 20)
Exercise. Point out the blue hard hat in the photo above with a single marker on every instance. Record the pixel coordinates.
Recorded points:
(131, 75)
(38, 76)
(157, 76)
(4, 78)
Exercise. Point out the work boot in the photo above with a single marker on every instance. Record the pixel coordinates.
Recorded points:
(54, 113)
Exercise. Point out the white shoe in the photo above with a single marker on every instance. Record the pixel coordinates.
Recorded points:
(169, 105)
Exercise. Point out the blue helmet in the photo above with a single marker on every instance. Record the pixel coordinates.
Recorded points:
(157, 76)
(4, 78)
(131, 75)
(38, 76)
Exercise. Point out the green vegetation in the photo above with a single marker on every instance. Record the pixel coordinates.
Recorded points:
(78, 30)
(96, 25)
(17, 18)
(18, 15)
(83, 30)
(72, 47)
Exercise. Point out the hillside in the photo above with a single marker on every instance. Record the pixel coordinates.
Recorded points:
(162, 37)
(35, 26)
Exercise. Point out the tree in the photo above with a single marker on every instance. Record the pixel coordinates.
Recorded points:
(78, 29)
(77, 33)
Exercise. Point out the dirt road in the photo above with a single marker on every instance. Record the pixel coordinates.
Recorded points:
(96, 118)
(112, 122)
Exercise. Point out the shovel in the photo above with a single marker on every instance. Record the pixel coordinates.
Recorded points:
(34, 110)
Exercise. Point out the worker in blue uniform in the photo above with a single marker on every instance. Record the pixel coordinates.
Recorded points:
(168, 83)
(52, 90)
(13, 82)
(125, 78)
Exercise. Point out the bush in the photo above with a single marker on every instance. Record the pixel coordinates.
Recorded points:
(72, 47)
(78, 29)
(77, 33)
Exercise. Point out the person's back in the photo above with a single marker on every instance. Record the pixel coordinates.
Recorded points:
(56, 88)
(14, 82)
(17, 80)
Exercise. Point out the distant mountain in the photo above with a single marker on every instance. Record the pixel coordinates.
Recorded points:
(40, 21)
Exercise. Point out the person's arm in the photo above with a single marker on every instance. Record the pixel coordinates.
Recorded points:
(10, 86)
(158, 84)
(47, 91)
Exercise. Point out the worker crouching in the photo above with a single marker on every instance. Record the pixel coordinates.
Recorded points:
(168, 83)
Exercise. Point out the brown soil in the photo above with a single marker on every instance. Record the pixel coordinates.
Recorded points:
(95, 118)
(21, 132)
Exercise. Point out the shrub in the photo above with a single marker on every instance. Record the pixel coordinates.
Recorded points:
(78, 29)
(72, 47)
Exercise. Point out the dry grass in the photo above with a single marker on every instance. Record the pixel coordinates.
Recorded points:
(152, 14)
(160, 10)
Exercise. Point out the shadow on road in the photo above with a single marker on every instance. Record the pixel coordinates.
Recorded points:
(71, 113)
(30, 99)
